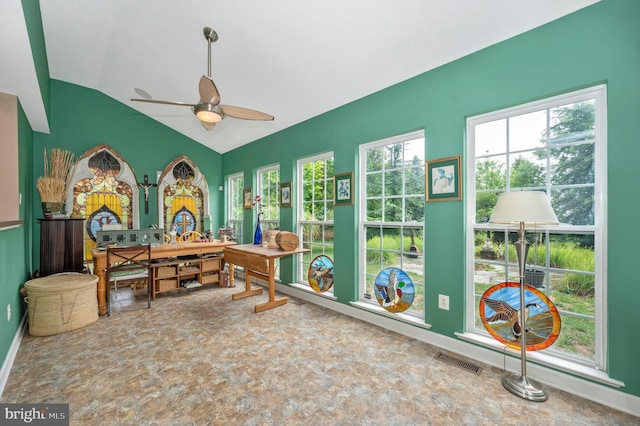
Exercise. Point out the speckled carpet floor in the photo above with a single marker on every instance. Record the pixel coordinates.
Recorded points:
(199, 358)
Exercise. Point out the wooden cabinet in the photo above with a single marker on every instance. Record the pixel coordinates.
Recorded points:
(176, 274)
(61, 243)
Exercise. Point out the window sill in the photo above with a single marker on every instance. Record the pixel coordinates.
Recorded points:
(409, 319)
(544, 360)
(308, 289)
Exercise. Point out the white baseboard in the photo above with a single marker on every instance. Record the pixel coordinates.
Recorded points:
(11, 355)
(587, 389)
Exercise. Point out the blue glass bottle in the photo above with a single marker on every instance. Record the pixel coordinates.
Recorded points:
(257, 236)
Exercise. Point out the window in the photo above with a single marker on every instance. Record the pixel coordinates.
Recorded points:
(315, 210)
(268, 186)
(558, 146)
(392, 213)
(235, 212)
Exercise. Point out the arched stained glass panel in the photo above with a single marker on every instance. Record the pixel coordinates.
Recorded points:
(104, 191)
(184, 196)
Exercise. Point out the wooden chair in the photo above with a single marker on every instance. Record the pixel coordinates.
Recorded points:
(190, 236)
(132, 263)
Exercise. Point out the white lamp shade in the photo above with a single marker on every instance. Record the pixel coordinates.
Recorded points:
(530, 207)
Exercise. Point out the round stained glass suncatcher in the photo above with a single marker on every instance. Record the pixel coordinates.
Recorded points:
(320, 273)
(394, 290)
(500, 314)
(102, 216)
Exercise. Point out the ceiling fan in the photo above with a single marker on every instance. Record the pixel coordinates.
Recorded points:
(208, 109)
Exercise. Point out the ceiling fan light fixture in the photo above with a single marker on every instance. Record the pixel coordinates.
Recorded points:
(208, 109)
(208, 113)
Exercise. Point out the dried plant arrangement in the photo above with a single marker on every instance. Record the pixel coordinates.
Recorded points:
(53, 185)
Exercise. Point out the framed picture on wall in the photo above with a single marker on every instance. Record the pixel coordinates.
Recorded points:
(343, 189)
(247, 202)
(285, 194)
(443, 179)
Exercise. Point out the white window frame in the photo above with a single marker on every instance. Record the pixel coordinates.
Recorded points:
(598, 229)
(237, 223)
(302, 263)
(364, 301)
(268, 223)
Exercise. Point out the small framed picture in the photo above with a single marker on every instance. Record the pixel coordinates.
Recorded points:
(133, 237)
(104, 238)
(247, 201)
(343, 189)
(444, 179)
(120, 237)
(285, 194)
(157, 236)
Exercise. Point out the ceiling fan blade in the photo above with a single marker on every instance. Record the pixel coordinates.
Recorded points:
(207, 126)
(208, 91)
(245, 113)
(153, 101)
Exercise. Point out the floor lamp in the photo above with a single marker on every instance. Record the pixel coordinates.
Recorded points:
(524, 209)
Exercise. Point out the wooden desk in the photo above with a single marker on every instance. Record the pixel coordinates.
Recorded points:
(259, 262)
(157, 252)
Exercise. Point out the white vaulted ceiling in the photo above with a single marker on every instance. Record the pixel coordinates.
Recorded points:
(294, 59)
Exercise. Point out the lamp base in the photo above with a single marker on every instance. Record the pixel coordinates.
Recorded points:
(524, 387)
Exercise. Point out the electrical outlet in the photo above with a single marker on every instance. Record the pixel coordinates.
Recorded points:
(443, 302)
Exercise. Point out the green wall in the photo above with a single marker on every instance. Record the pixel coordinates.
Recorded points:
(82, 118)
(16, 243)
(594, 45)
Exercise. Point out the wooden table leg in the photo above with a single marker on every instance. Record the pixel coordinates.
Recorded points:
(99, 268)
(273, 302)
(151, 284)
(232, 274)
(248, 291)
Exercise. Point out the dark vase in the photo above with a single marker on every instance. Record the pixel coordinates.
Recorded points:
(257, 236)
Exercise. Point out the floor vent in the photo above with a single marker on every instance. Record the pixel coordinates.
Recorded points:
(458, 363)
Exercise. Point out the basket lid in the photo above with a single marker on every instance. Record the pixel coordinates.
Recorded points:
(62, 281)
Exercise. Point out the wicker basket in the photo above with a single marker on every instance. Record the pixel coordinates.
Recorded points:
(166, 285)
(61, 303)
(165, 271)
(534, 278)
(210, 278)
(211, 265)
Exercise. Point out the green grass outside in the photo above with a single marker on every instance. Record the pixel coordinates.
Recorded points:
(572, 293)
